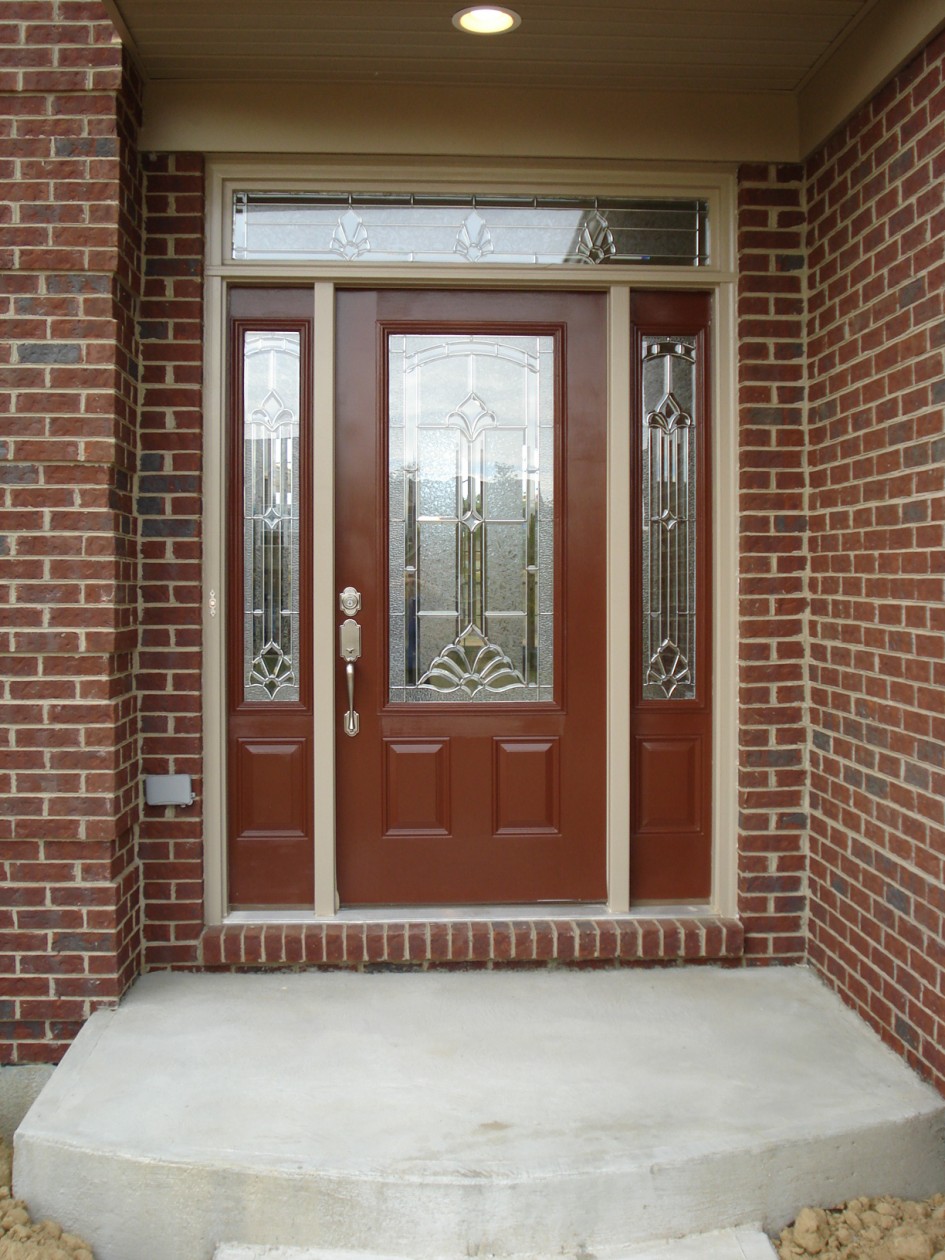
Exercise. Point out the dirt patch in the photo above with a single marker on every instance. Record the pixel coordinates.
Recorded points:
(868, 1229)
(20, 1238)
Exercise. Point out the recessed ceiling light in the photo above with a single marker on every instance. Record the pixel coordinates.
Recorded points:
(486, 20)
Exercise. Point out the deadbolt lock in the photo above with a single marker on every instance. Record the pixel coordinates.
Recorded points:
(349, 601)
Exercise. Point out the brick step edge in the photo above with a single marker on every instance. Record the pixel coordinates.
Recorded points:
(472, 942)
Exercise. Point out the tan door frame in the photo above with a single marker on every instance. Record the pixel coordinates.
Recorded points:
(720, 278)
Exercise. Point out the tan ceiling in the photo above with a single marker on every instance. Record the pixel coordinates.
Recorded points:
(691, 45)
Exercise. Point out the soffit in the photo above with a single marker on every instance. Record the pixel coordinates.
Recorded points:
(692, 45)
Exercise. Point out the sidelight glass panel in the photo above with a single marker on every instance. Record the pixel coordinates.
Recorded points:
(669, 518)
(271, 401)
(466, 229)
(471, 518)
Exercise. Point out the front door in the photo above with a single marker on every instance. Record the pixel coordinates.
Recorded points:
(470, 519)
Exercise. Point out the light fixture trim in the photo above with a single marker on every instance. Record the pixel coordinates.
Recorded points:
(486, 19)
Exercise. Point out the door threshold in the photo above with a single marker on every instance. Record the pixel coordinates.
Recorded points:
(575, 911)
(480, 938)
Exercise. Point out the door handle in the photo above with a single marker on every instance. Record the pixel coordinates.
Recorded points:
(349, 642)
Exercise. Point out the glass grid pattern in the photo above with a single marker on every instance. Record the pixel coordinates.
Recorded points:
(469, 229)
(271, 402)
(471, 500)
(669, 518)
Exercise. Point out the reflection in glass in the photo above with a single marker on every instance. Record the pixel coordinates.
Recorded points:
(271, 390)
(669, 518)
(471, 518)
(465, 229)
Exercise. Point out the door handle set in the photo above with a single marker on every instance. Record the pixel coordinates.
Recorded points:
(349, 647)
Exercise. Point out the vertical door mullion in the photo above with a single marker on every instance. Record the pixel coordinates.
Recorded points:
(618, 604)
(325, 597)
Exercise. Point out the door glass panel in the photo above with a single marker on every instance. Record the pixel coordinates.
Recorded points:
(669, 518)
(471, 518)
(271, 392)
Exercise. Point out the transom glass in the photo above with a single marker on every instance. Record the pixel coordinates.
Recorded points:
(469, 229)
(471, 518)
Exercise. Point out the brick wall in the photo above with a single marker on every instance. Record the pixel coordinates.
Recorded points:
(877, 455)
(100, 671)
(169, 507)
(772, 563)
(69, 254)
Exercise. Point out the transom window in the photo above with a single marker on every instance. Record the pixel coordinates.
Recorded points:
(469, 229)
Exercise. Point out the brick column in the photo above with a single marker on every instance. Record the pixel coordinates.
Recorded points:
(771, 563)
(170, 506)
(69, 249)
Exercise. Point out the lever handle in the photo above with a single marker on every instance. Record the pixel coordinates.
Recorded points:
(349, 643)
(352, 723)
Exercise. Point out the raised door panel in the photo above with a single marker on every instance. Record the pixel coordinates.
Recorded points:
(667, 779)
(417, 787)
(270, 776)
(526, 786)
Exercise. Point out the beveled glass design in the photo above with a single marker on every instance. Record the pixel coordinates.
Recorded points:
(669, 518)
(471, 518)
(271, 401)
(465, 229)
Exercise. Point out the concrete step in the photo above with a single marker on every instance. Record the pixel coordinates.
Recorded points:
(439, 1116)
(722, 1244)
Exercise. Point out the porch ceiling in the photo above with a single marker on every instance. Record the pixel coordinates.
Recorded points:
(696, 45)
(695, 80)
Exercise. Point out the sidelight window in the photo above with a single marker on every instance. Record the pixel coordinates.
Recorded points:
(271, 393)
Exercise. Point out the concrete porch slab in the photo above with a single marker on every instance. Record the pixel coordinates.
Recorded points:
(455, 1114)
(722, 1244)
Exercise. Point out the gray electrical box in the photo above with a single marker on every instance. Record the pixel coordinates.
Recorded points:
(168, 789)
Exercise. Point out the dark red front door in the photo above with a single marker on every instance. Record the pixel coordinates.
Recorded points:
(470, 517)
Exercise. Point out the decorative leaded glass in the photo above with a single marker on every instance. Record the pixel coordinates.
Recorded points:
(669, 518)
(271, 392)
(404, 228)
(471, 518)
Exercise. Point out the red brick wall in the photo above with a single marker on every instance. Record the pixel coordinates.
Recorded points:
(69, 255)
(772, 560)
(169, 508)
(94, 691)
(877, 474)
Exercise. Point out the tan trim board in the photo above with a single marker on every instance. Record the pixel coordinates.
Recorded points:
(725, 606)
(886, 38)
(253, 117)
(214, 614)
(325, 599)
(618, 601)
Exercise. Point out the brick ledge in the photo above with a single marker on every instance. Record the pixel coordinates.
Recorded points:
(479, 943)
